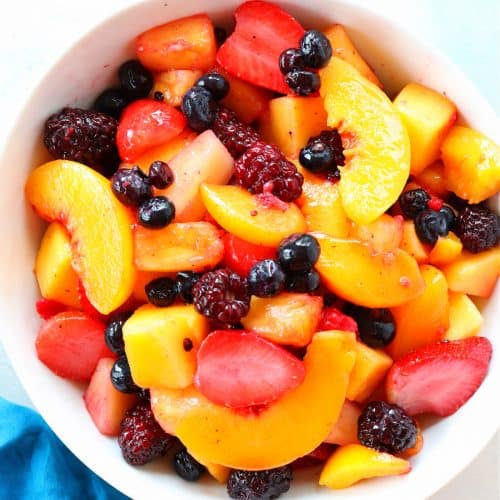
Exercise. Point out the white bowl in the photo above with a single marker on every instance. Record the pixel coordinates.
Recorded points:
(398, 58)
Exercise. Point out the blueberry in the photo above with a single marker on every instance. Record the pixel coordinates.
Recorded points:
(157, 212)
(187, 467)
(376, 327)
(450, 216)
(113, 335)
(302, 281)
(266, 278)
(216, 84)
(429, 225)
(413, 202)
(315, 48)
(135, 80)
(291, 59)
(302, 82)
(121, 378)
(112, 102)
(160, 174)
(199, 107)
(316, 156)
(131, 186)
(185, 281)
(161, 292)
(298, 252)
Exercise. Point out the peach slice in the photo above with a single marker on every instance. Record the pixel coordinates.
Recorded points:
(218, 472)
(257, 441)
(350, 270)
(446, 250)
(99, 226)
(376, 144)
(382, 235)
(174, 83)
(411, 243)
(345, 429)
(465, 318)
(242, 214)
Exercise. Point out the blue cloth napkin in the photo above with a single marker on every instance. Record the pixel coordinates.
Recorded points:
(34, 464)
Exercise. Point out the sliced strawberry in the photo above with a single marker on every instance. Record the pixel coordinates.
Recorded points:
(46, 308)
(263, 31)
(144, 124)
(334, 319)
(71, 343)
(237, 368)
(440, 377)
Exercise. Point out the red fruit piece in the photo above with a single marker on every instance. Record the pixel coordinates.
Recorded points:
(334, 319)
(240, 255)
(440, 377)
(46, 308)
(71, 344)
(144, 124)
(435, 203)
(237, 368)
(263, 31)
(319, 455)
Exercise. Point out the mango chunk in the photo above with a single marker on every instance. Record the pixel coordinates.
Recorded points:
(411, 243)
(446, 250)
(432, 179)
(465, 318)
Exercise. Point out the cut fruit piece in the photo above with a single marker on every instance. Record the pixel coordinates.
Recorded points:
(333, 319)
(376, 144)
(261, 441)
(182, 246)
(187, 43)
(243, 215)
(446, 250)
(345, 430)
(141, 280)
(173, 84)
(219, 472)
(432, 179)
(56, 277)
(465, 318)
(416, 448)
(350, 270)
(99, 226)
(105, 404)
(155, 340)
(471, 164)
(382, 235)
(439, 378)
(424, 319)
(238, 369)
(427, 116)
(288, 318)
(46, 308)
(353, 462)
(411, 243)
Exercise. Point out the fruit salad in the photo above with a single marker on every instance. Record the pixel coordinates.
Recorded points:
(258, 261)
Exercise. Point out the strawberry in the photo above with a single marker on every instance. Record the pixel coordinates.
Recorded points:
(263, 31)
(440, 377)
(71, 343)
(237, 368)
(46, 308)
(144, 124)
(334, 319)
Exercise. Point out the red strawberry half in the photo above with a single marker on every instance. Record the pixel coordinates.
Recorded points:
(334, 319)
(263, 31)
(46, 308)
(440, 377)
(237, 368)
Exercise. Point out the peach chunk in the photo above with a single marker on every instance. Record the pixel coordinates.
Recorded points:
(180, 246)
(376, 144)
(411, 243)
(471, 164)
(465, 318)
(174, 83)
(218, 472)
(99, 226)
(263, 440)
(427, 115)
(345, 429)
(424, 319)
(242, 214)
(288, 318)
(350, 270)
(382, 235)
(446, 250)
(433, 180)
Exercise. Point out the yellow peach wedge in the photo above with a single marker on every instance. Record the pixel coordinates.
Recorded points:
(465, 317)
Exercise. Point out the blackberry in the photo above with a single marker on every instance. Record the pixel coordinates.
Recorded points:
(121, 378)
(156, 212)
(215, 83)
(222, 295)
(316, 156)
(187, 466)
(478, 228)
(266, 278)
(135, 80)
(141, 438)
(298, 252)
(263, 167)
(236, 136)
(386, 427)
(291, 59)
(316, 49)
(160, 175)
(112, 102)
(131, 186)
(413, 202)
(113, 335)
(450, 216)
(429, 225)
(161, 292)
(302, 82)
(199, 107)
(259, 485)
(144, 395)
(376, 327)
(185, 281)
(84, 136)
(302, 281)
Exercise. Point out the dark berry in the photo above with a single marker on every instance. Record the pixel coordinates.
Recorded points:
(158, 96)
(131, 186)
(316, 49)
(302, 281)
(215, 83)
(160, 174)
(266, 278)
(302, 82)
(185, 281)
(199, 107)
(332, 139)
(316, 157)
(376, 327)
(478, 228)
(121, 378)
(429, 225)
(144, 395)
(113, 335)
(222, 295)
(220, 35)
(386, 427)
(187, 466)
(141, 438)
(450, 216)
(161, 292)
(187, 344)
(259, 485)
(157, 212)
(413, 202)
(298, 252)
(264, 168)
(135, 80)
(112, 102)
(291, 59)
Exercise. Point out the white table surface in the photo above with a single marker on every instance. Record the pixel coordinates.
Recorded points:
(468, 32)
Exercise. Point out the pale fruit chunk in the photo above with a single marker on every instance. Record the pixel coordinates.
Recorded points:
(432, 179)
(353, 462)
(218, 472)
(427, 116)
(446, 250)
(350, 270)
(242, 214)
(465, 318)
(173, 84)
(376, 144)
(345, 430)
(411, 243)
(99, 226)
(154, 343)
(56, 277)
(382, 235)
